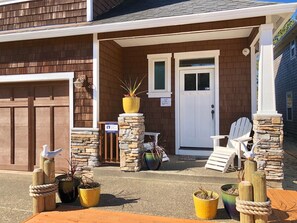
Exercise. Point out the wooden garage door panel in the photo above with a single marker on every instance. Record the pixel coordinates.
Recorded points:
(5, 142)
(60, 92)
(61, 126)
(42, 92)
(42, 130)
(20, 93)
(21, 136)
(5, 94)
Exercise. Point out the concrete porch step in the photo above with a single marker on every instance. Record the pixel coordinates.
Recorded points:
(178, 169)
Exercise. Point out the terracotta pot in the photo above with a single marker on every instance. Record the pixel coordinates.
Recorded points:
(206, 209)
(131, 104)
(229, 201)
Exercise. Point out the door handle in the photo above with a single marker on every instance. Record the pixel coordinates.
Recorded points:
(212, 114)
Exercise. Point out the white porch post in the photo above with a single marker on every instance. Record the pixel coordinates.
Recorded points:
(267, 123)
(266, 94)
(253, 80)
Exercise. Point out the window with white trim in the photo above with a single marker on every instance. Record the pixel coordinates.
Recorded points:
(289, 105)
(293, 49)
(159, 75)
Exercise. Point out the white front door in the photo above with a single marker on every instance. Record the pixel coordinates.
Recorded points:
(197, 118)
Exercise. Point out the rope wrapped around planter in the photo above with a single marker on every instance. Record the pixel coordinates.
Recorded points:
(43, 190)
(253, 208)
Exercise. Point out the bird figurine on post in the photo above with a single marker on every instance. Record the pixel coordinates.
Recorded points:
(49, 154)
(250, 155)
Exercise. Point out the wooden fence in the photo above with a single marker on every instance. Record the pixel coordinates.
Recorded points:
(108, 144)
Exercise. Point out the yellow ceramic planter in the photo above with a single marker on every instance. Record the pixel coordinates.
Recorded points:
(131, 104)
(206, 209)
(89, 197)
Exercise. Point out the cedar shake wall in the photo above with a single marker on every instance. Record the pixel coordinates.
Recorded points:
(69, 54)
(111, 68)
(102, 6)
(41, 13)
(235, 90)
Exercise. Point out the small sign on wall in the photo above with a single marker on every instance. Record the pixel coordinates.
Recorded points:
(111, 128)
(165, 102)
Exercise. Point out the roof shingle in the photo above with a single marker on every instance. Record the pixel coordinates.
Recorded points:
(132, 10)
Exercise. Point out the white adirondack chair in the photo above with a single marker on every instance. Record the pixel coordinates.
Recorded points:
(223, 157)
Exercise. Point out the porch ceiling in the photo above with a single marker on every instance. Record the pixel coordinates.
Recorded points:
(184, 37)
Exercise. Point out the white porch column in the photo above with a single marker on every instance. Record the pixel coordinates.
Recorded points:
(266, 93)
(267, 123)
(253, 80)
(95, 80)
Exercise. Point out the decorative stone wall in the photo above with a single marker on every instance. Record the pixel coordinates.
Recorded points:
(131, 137)
(85, 147)
(269, 152)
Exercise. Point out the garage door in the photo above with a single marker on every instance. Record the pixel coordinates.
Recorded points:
(31, 115)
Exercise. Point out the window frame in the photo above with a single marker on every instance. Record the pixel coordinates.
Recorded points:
(152, 58)
(287, 107)
(293, 47)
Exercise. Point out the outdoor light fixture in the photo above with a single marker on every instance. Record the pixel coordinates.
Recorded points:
(246, 51)
(80, 81)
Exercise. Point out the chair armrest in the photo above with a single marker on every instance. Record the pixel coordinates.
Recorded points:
(219, 137)
(242, 139)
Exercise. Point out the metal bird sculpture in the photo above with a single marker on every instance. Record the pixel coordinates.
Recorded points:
(250, 155)
(49, 154)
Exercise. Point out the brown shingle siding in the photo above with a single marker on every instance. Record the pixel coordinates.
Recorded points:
(111, 68)
(41, 13)
(234, 76)
(69, 54)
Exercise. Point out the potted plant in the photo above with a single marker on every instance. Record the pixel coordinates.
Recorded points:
(153, 156)
(229, 194)
(131, 103)
(68, 184)
(89, 192)
(206, 203)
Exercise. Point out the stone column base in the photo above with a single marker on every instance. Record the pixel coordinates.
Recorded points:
(269, 152)
(85, 147)
(131, 137)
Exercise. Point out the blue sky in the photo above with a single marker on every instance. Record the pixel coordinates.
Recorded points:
(281, 0)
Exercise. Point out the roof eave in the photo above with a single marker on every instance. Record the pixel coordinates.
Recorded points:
(151, 23)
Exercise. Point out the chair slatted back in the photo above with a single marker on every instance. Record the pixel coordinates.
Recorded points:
(241, 128)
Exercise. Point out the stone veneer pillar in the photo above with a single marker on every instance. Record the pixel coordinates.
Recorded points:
(131, 137)
(269, 152)
(85, 147)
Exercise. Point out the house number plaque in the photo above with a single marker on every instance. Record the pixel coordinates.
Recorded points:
(165, 102)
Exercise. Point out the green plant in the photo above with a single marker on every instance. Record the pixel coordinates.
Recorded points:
(131, 87)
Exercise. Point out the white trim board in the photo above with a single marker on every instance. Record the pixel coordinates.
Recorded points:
(94, 27)
(9, 2)
(185, 37)
(96, 80)
(190, 55)
(46, 77)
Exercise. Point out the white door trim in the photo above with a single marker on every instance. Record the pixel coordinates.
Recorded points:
(194, 55)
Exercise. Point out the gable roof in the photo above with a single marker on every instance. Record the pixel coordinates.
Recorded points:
(133, 10)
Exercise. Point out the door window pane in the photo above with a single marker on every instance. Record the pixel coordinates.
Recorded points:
(160, 75)
(197, 62)
(203, 81)
(190, 82)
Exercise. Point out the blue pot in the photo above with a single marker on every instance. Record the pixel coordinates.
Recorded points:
(152, 161)
(229, 201)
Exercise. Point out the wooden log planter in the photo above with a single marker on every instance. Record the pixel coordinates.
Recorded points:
(252, 203)
(44, 187)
